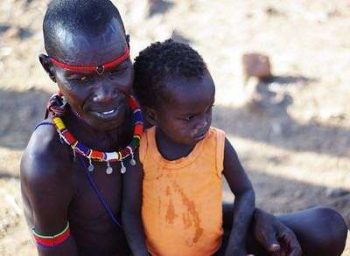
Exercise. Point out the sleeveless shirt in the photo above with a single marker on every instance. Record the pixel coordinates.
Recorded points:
(182, 199)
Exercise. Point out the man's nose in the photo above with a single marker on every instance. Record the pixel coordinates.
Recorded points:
(105, 93)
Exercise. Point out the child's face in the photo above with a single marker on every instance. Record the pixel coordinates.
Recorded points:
(99, 99)
(185, 117)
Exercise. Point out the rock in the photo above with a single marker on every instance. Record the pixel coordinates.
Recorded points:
(272, 11)
(256, 65)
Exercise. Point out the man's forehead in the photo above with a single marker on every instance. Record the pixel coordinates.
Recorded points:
(89, 47)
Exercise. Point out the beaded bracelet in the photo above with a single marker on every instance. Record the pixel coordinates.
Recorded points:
(54, 240)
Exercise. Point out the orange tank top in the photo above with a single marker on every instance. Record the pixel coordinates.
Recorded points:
(182, 199)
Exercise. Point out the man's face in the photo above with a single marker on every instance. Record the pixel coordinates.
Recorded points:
(97, 98)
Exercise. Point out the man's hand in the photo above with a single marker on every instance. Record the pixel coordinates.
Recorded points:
(274, 236)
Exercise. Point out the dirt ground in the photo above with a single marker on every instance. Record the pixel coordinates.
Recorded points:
(293, 139)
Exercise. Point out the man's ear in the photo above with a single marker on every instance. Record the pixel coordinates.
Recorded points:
(150, 116)
(48, 66)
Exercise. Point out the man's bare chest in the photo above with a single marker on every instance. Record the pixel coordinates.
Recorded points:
(97, 197)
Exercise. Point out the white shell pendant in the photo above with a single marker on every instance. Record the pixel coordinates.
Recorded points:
(122, 168)
(109, 169)
(133, 162)
(91, 168)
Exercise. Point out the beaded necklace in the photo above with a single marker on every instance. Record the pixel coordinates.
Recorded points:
(57, 105)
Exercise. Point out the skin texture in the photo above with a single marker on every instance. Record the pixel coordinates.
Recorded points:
(181, 121)
(54, 186)
(316, 231)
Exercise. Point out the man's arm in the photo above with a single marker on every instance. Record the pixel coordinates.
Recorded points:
(244, 204)
(274, 236)
(47, 191)
(131, 209)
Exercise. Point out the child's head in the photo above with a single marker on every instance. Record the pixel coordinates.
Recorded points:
(175, 89)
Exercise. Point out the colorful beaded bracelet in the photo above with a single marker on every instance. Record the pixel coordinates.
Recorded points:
(52, 241)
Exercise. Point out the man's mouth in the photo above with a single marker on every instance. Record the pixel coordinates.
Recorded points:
(106, 114)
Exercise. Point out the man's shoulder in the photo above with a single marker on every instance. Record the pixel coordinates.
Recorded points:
(45, 157)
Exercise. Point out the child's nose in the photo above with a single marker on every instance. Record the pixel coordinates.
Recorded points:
(202, 124)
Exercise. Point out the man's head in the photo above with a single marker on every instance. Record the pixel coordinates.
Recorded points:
(89, 59)
(175, 89)
(70, 16)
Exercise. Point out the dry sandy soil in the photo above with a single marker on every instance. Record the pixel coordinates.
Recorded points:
(293, 139)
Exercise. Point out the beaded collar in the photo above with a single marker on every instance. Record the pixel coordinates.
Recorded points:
(57, 105)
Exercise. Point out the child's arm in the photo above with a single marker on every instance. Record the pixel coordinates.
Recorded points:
(131, 209)
(244, 204)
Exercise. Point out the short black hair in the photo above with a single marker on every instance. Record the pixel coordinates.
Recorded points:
(89, 16)
(161, 61)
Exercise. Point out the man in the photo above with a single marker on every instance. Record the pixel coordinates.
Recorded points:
(54, 184)
(71, 169)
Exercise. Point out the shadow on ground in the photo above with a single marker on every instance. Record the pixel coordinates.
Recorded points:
(159, 7)
(281, 195)
(266, 120)
(20, 113)
(9, 31)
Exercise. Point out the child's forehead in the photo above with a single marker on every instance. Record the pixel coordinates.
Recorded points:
(183, 90)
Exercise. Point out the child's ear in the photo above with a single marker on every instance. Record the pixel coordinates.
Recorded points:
(47, 65)
(151, 116)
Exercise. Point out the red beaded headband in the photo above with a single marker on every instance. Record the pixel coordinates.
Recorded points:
(99, 69)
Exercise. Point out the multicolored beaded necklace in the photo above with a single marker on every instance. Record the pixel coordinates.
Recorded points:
(57, 105)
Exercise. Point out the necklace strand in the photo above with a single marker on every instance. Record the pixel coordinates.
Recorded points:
(57, 106)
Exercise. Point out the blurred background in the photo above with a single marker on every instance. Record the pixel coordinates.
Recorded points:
(285, 106)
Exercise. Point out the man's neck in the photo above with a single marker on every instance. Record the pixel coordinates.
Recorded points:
(110, 140)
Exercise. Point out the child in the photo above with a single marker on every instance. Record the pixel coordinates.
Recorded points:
(184, 158)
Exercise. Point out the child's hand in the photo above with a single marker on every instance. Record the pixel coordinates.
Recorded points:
(275, 237)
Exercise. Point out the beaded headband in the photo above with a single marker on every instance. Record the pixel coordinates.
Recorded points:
(99, 69)
(57, 105)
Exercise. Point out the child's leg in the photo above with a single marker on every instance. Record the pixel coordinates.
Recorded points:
(320, 231)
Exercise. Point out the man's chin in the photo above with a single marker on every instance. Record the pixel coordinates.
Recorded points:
(107, 125)
(106, 122)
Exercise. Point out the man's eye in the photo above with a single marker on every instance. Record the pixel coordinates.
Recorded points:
(189, 118)
(78, 78)
(83, 78)
(118, 70)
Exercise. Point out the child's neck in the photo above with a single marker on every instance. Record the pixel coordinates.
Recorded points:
(170, 150)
